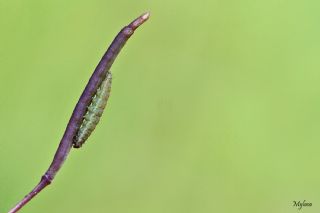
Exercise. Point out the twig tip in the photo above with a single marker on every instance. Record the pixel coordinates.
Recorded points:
(139, 21)
(145, 16)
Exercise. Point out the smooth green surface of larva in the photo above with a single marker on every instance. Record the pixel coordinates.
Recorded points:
(95, 110)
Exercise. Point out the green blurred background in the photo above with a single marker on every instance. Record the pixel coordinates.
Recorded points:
(215, 105)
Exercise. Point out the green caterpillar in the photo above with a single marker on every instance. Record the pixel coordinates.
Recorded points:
(94, 112)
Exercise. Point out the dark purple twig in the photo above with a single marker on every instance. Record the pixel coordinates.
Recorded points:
(81, 108)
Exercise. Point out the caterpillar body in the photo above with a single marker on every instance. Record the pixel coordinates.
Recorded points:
(94, 112)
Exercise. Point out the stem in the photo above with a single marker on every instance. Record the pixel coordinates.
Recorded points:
(43, 183)
(81, 108)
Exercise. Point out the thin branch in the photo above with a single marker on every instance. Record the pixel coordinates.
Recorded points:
(81, 108)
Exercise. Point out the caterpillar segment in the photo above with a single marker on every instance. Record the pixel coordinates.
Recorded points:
(94, 112)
